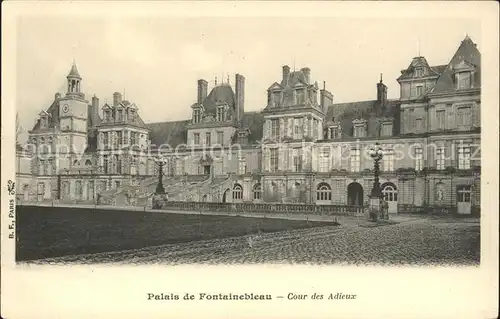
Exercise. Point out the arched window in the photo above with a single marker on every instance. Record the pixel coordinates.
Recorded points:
(257, 191)
(324, 192)
(237, 191)
(75, 162)
(390, 193)
(88, 162)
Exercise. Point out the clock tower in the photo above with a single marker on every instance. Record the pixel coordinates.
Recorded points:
(73, 112)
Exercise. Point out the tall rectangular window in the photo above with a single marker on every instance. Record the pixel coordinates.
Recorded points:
(275, 128)
(464, 80)
(355, 160)
(42, 167)
(197, 138)
(334, 132)
(132, 138)
(315, 129)
(388, 161)
(419, 158)
(440, 119)
(220, 114)
(277, 98)
(120, 116)
(220, 138)
(387, 129)
(419, 72)
(119, 138)
(274, 159)
(106, 164)
(300, 96)
(297, 159)
(464, 157)
(324, 160)
(106, 139)
(419, 125)
(420, 90)
(297, 128)
(440, 160)
(464, 115)
(208, 138)
(196, 116)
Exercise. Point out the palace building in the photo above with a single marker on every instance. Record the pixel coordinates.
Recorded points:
(302, 148)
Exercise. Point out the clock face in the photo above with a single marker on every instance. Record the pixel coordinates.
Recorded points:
(65, 108)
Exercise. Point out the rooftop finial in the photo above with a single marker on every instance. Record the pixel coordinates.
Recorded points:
(228, 78)
(324, 85)
(380, 77)
(216, 80)
(293, 64)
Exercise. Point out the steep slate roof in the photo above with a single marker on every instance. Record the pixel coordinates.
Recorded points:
(420, 61)
(345, 113)
(468, 52)
(171, 133)
(254, 121)
(175, 133)
(294, 78)
(222, 93)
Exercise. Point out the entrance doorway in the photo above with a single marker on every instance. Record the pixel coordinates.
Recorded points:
(355, 194)
(464, 199)
(224, 196)
(40, 191)
(390, 193)
(206, 169)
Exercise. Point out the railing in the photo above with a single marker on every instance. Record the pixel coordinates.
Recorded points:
(427, 210)
(343, 210)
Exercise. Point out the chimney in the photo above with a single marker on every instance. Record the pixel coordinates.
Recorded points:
(202, 90)
(286, 72)
(240, 96)
(307, 74)
(381, 92)
(117, 98)
(57, 96)
(95, 107)
(326, 98)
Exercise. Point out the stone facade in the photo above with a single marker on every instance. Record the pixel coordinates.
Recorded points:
(301, 148)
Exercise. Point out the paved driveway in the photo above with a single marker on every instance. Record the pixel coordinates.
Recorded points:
(413, 241)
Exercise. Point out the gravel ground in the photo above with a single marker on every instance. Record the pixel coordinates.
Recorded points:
(410, 242)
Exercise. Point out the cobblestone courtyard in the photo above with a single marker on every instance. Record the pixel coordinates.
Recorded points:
(417, 242)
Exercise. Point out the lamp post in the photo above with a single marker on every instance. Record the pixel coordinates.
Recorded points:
(160, 190)
(376, 154)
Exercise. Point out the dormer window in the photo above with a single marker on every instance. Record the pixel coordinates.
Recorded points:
(334, 132)
(276, 98)
(464, 75)
(220, 114)
(359, 128)
(300, 95)
(196, 116)
(107, 116)
(132, 116)
(463, 80)
(120, 115)
(386, 128)
(419, 72)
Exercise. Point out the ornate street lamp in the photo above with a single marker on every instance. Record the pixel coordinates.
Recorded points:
(160, 190)
(376, 154)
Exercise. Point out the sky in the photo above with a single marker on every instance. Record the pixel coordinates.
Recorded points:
(157, 61)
